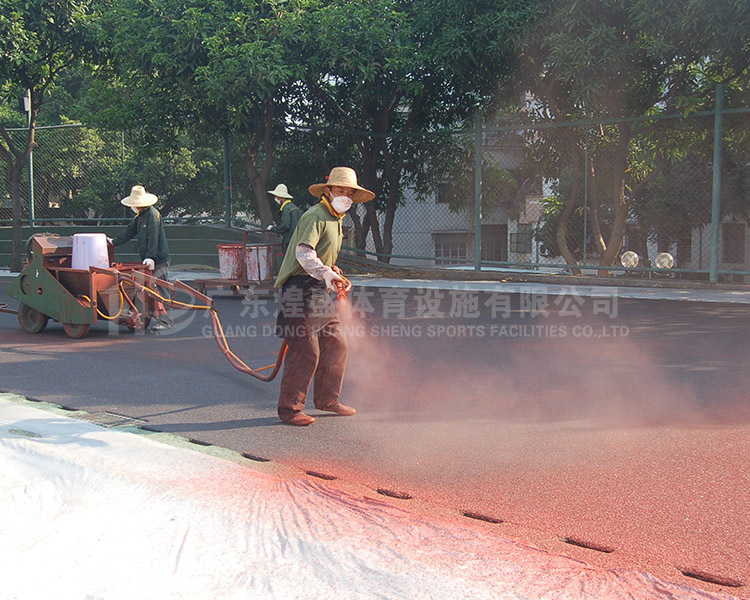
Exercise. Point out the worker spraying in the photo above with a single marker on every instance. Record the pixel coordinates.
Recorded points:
(307, 318)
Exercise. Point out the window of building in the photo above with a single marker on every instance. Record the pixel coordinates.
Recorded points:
(495, 243)
(442, 193)
(451, 248)
(521, 239)
(533, 186)
(733, 243)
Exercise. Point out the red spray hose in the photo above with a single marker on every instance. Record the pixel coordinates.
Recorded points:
(342, 289)
(236, 362)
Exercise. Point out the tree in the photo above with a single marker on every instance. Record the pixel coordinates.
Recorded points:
(39, 40)
(407, 67)
(615, 60)
(214, 67)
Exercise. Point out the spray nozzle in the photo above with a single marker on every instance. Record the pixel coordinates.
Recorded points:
(342, 288)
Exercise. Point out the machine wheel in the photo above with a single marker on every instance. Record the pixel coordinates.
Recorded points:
(31, 320)
(76, 331)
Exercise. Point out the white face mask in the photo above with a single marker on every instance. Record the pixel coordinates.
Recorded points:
(341, 204)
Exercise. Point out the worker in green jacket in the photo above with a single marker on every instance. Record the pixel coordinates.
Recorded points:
(290, 214)
(148, 228)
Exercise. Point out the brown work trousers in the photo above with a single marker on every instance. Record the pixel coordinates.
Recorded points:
(319, 356)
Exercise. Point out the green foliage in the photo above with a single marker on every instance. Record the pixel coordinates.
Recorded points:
(404, 67)
(202, 67)
(196, 62)
(10, 116)
(546, 231)
(304, 85)
(596, 59)
(38, 39)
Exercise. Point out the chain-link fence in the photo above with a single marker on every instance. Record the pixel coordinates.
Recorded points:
(75, 173)
(79, 174)
(636, 197)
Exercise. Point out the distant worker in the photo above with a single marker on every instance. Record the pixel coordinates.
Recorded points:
(307, 319)
(152, 241)
(290, 214)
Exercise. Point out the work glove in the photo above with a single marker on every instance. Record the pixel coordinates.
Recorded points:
(149, 262)
(330, 277)
(269, 228)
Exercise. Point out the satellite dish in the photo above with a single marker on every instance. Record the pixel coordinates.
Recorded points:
(629, 259)
(664, 260)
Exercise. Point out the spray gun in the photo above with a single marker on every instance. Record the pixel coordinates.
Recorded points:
(342, 288)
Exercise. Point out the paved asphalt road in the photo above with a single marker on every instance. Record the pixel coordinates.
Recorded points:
(614, 423)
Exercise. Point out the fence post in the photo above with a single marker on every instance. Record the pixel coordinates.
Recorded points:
(478, 191)
(716, 192)
(585, 194)
(31, 169)
(227, 183)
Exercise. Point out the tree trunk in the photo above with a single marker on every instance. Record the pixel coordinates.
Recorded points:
(15, 161)
(570, 205)
(373, 225)
(16, 244)
(562, 229)
(620, 202)
(593, 216)
(390, 217)
(368, 178)
(260, 133)
(259, 181)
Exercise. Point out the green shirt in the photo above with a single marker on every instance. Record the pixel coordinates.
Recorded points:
(319, 229)
(152, 241)
(290, 214)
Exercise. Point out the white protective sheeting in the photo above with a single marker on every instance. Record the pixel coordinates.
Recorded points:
(92, 513)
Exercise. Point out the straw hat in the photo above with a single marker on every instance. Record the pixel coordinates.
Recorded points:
(344, 177)
(139, 198)
(281, 192)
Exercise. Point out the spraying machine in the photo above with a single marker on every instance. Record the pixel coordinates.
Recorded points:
(75, 281)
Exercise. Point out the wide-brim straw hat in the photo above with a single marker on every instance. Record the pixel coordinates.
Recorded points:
(139, 198)
(344, 177)
(281, 192)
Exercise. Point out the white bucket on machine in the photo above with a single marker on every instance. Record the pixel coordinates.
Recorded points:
(90, 250)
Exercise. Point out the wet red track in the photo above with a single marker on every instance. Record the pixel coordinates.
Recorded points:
(553, 452)
(670, 500)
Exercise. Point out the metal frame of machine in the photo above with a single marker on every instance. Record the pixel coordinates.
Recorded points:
(49, 288)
